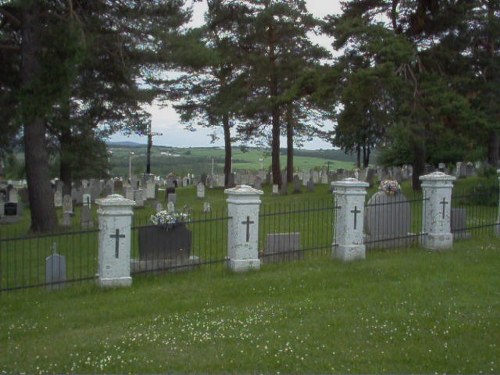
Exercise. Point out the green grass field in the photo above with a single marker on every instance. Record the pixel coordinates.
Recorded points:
(401, 311)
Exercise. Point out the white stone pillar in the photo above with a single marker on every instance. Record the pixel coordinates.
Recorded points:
(350, 204)
(115, 219)
(243, 229)
(437, 188)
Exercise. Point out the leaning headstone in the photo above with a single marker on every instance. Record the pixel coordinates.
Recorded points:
(458, 223)
(282, 247)
(387, 221)
(55, 270)
(200, 190)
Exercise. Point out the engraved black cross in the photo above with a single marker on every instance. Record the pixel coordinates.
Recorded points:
(355, 212)
(117, 236)
(247, 223)
(444, 203)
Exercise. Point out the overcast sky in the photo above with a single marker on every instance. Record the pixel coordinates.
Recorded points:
(166, 121)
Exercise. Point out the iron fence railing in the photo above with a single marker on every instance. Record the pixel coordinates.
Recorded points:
(287, 231)
(24, 259)
(200, 241)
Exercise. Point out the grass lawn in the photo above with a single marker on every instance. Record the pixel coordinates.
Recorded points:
(407, 311)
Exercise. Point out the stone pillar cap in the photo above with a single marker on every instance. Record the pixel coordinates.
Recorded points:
(115, 200)
(350, 182)
(243, 190)
(438, 176)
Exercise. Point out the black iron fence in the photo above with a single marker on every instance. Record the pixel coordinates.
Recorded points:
(201, 240)
(48, 260)
(291, 232)
(295, 231)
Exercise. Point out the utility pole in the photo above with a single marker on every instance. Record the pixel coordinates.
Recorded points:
(150, 144)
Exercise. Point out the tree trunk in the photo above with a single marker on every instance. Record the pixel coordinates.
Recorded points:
(418, 164)
(65, 166)
(358, 156)
(275, 147)
(289, 143)
(43, 214)
(227, 149)
(493, 148)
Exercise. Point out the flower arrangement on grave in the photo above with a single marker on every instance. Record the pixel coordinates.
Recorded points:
(390, 187)
(169, 220)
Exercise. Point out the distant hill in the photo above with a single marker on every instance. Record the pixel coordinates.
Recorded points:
(125, 144)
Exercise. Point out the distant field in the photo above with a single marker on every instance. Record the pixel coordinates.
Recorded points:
(201, 160)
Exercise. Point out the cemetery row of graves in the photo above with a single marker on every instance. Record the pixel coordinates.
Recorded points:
(295, 223)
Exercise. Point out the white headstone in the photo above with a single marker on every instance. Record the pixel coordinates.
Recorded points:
(170, 207)
(200, 190)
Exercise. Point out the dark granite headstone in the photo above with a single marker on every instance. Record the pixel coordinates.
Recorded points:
(158, 243)
(10, 209)
(282, 247)
(387, 220)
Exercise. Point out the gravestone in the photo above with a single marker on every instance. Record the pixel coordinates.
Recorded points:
(203, 178)
(324, 177)
(310, 185)
(12, 195)
(129, 193)
(170, 207)
(139, 198)
(87, 200)
(172, 197)
(118, 185)
(150, 189)
(297, 184)
(185, 181)
(55, 270)
(282, 247)
(10, 209)
(58, 199)
(2, 205)
(284, 185)
(67, 204)
(387, 221)
(200, 190)
(315, 177)
(206, 207)
(370, 176)
(275, 189)
(257, 183)
(66, 220)
(458, 224)
(158, 243)
(470, 169)
(158, 207)
(86, 221)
